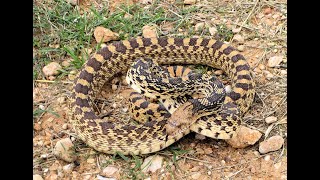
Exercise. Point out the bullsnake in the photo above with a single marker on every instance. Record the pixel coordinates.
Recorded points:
(171, 87)
(116, 58)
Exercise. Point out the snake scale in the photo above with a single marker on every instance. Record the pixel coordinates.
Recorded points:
(116, 58)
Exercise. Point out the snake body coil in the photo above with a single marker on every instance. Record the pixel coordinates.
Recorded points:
(112, 137)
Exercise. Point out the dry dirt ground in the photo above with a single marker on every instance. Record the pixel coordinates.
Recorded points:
(263, 26)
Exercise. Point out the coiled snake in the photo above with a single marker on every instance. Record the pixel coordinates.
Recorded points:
(151, 136)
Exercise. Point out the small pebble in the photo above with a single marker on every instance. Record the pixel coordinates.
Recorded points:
(267, 158)
(271, 119)
(196, 175)
(236, 30)
(152, 163)
(209, 173)
(262, 67)
(274, 61)
(65, 63)
(45, 170)
(241, 48)
(269, 76)
(61, 100)
(125, 109)
(114, 105)
(102, 34)
(51, 69)
(189, 2)
(283, 72)
(244, 137)
(114, 87)
(228, 88)
(110, 171)
(68, 168)
(65, 126)
(64, 149)
(223, 162)
(272, 144)
(91, 160)
(44, 156)
(238, 38)
(72, 138)
(199, 26)
(213, 31)
(37, 177)
(149, 31)
(41, 107)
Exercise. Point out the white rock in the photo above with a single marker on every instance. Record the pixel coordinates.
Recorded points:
(267, 158)
(104, 178)
(51, 69)
(110, 171)
(213, 31)
(114, 87)
(199, 26)
(238, 38)
(90, 160)
(189, 2)
(149, 31)
(236, 30)
(228, 88)
(269, 76)
(65, 126)
(272, 144)
(61, 100)
(241, 48)
(102, 34)
(283, 72)
(274, 61)
(64, 150)
(271, 119)
(200, 137)
(37, 177)
(196, 175)
(65, 63)
(41, 107)
(44, 156)
(68, 168)
(244, 137)
(152, 163)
